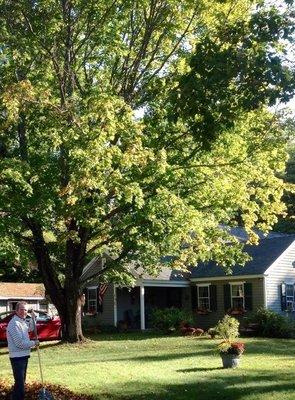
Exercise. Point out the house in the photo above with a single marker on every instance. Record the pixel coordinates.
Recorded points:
(32, 293)
(134, 305)
(266, 281)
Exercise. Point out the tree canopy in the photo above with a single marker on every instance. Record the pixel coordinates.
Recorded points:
(286, 223)
(138, 129)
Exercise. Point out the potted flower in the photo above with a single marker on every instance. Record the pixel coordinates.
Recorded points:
(202, 311)
(229, 349)
(230, 353)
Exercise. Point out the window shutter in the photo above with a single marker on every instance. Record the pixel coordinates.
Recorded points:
(194, 294)
(227, 299)
(283, 297)
(213, 297)
(85, 291)
(248, 296)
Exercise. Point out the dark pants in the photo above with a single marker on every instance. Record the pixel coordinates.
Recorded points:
(19, 368)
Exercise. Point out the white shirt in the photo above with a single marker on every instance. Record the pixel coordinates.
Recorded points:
(19, 343)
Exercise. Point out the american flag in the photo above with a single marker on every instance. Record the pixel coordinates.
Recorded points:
(102, 289)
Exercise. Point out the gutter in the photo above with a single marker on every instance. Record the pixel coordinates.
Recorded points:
(21, 298)
(162, 283)
(226, 278)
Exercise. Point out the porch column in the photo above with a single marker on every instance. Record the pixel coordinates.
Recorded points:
(115, 307)
(142, 311)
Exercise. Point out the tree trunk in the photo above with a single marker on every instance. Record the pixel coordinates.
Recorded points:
(70, 312)
(80, 305)
(67, 299)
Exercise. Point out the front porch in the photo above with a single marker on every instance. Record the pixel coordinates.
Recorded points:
(133, 307)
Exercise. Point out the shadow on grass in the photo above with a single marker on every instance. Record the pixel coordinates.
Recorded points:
(230, 386)
(274, 347)
(129, 335)
(199, 369)
(138, 358)
(43, 345)
(256, 346)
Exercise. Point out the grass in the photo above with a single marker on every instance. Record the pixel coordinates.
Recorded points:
(142, 366)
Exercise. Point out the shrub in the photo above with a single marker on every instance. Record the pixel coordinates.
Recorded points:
(227, 328)
(272, 324)
(170, 319)
(90, 321)
(190, 331)
(212, 332)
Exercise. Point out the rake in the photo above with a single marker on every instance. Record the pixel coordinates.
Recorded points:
(43, 394)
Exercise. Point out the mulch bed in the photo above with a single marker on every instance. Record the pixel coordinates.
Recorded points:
(32, 390)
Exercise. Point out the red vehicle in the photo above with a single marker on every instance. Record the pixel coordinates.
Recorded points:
(48, 328)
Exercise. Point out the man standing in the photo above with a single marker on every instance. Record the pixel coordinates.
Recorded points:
(19, 345)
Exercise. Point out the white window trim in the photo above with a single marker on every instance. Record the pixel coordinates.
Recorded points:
(293, 301)
(198, 293)
(88, 300)
(237, 297)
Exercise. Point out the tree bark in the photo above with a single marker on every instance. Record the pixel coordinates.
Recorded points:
(64, 298)
(72, 333)
(80, 305)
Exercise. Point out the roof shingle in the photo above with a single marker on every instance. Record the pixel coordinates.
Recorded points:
(11, 289)
(262, 256)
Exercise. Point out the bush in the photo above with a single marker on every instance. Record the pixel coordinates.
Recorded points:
(190, 331)
(271, 324)
(228, 328)
(90, 324)
(170, 319)
(212, 332)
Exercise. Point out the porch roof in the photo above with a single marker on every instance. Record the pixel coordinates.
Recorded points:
(166, 274)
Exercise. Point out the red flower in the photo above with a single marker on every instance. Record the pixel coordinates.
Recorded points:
(236, 311)
(227, 347)
(237, 348)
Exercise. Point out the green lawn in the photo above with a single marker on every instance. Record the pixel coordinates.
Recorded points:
(143, 366)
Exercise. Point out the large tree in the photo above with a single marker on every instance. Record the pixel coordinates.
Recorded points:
(286, 222)
(14, 272)
(82, 174)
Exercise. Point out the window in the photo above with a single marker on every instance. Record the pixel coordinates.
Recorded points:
(42, 306)
(237, 296)
(92, 300)
(203, 297)
(43, 318)
(290, 297)
(12, 305)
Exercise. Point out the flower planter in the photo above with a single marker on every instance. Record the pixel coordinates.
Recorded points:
(236, 311)
(230, 360)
